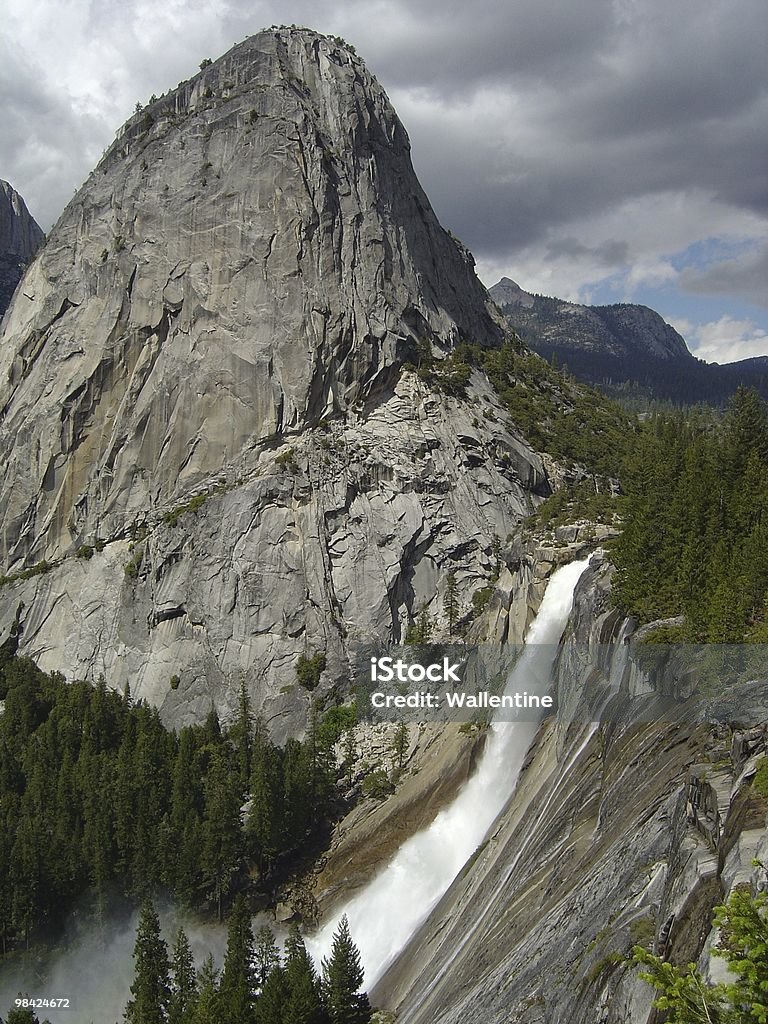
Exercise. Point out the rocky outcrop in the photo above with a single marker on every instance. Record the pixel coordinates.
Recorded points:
(20, 238)
(438, 760)
(624, 329)
(340, 536)
(252, 255)
(619, 345)
(214, 456)
(627, 826)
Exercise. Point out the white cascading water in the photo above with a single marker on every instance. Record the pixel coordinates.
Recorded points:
(384, 914)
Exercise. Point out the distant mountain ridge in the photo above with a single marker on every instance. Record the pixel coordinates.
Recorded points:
(20, 238)
(622, 348)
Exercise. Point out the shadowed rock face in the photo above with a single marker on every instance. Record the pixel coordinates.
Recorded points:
(623, 330)
(624, 348)
(20, 238)
(222, 313)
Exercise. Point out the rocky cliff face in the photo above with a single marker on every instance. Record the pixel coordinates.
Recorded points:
(625, 828)
(20, 238)
(619, 345)
(204, 394)
(624, 329)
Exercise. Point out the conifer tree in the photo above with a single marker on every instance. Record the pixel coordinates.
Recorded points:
(22, 1015)
(303, 1003)
(451, 602)
(400, 747)
(296, 793)
(342, 978)
(221, 838)
(688, 998)
(318, 769)
(271, 1005)
(183, 981)
(150, 990)
(498, 561)
(266, 956)
(420, 631)
(207, 1007)
(241, 735)
(26, 874)
(265, 823)
(185, 820)
(237, 990)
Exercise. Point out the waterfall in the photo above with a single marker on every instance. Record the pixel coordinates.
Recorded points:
(384, 914)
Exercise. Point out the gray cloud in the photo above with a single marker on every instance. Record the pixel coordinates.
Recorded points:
(531, 125)
(745, 277)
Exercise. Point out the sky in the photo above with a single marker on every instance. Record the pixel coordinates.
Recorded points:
(600, 150)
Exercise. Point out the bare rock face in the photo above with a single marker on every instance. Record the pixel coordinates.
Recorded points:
(624, 831)
(625, 329)
(204, 395)
(254, 253)
(20, 238)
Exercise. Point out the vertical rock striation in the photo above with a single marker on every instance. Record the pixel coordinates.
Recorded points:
(252, 254)
(20, 238)
(632, 819)
(205, 394)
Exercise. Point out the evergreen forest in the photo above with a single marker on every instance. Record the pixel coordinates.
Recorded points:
(103, 807)
(694, 525)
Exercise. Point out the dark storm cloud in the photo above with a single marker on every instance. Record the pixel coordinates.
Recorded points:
(527, 121)
(665, 97)
(45, 148)
(745, 278)
(609, 254)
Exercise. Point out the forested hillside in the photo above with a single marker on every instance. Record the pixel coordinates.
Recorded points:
(694, 541)
(103, 807)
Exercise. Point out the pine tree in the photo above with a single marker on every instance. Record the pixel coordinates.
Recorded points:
(400, 747)
(451, 602)
(303, 1003)
(22, 1015)
(342, 977)
(183, 981)
(207, 1008)
(688, 998)
(26, 875)
(183, 872)
(420, 631)
(271, 1005)
(151, 987)
(318, 768)
(498, 561)
(266, 956)
(266, 820)
(221, 836)
(237, 990)
(746, 431)
(241, 734)
(296, 793)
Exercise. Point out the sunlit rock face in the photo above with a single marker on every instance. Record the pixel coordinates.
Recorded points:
(223, 313)
(20, 238)
(632, 819)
